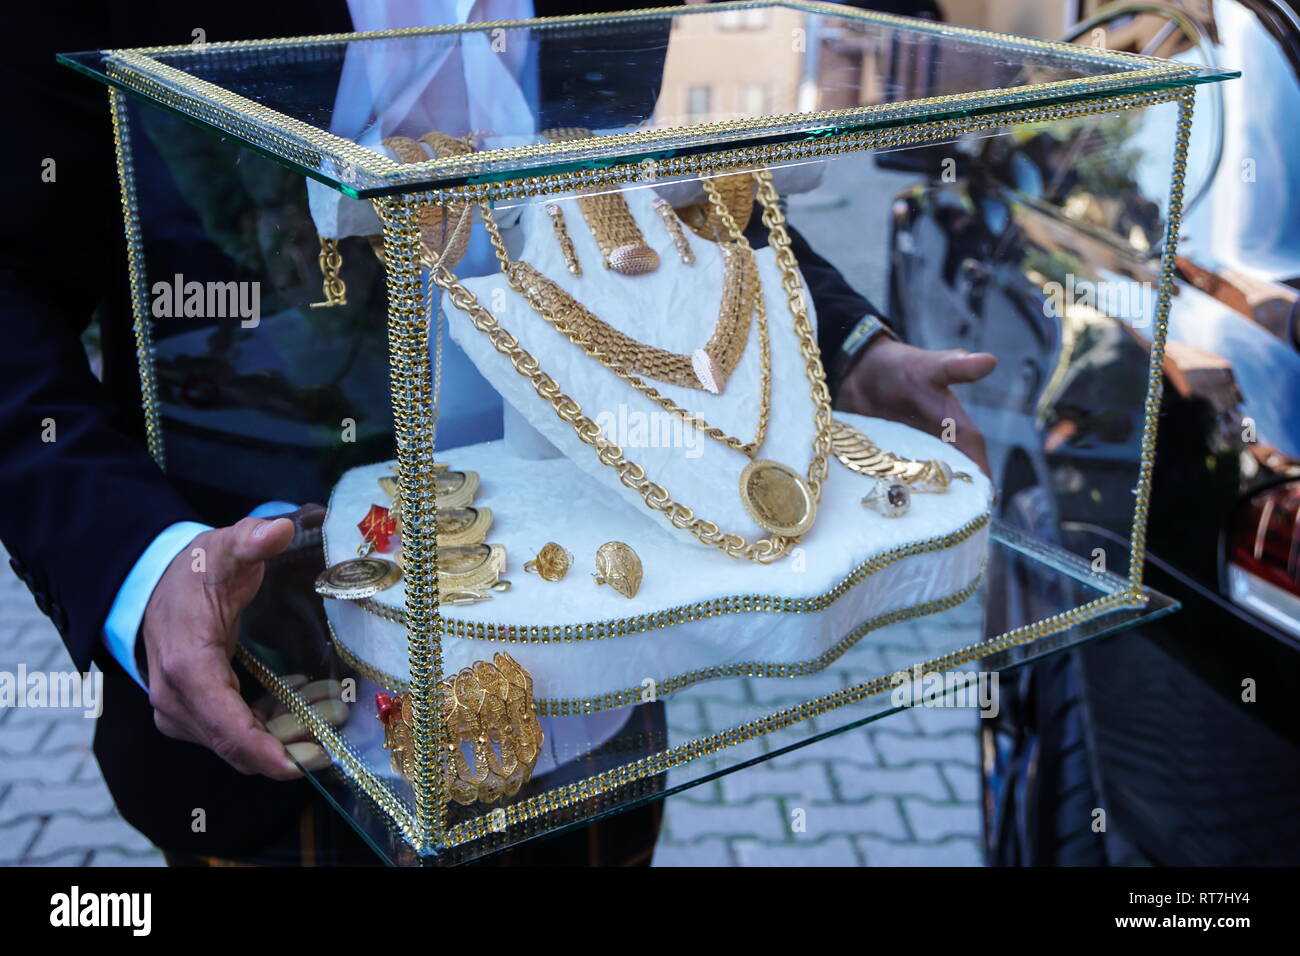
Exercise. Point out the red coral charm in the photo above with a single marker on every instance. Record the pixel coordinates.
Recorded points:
(378, 527)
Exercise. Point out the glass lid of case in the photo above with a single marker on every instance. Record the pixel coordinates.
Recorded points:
(651, 85)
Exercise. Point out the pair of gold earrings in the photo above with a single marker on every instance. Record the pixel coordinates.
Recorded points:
(616, 565)
(622, 245)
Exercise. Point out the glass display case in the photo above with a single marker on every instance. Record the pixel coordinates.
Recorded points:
(648, 360)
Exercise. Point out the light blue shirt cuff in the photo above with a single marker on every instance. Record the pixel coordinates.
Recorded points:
(127, 613)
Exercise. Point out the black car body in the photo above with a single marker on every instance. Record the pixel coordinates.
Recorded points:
(1185, 732)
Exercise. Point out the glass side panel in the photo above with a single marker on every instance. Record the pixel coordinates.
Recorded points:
(686, 78)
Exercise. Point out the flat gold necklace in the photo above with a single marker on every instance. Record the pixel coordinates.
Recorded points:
(606, 345)
(776, 496)
(707, 368)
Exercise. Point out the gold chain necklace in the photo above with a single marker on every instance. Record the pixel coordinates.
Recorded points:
(632, 475)
(707, 368)
(608, 346)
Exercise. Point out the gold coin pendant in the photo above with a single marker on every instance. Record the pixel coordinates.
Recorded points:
(777, 498)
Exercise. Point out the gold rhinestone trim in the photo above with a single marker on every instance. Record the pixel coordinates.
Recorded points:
(141, 317)
(686, 613)
(568, 707)
(677, 756)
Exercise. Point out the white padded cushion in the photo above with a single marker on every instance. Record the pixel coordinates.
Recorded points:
(534, 502)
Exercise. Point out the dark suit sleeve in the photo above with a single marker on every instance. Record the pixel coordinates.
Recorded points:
(76, 511)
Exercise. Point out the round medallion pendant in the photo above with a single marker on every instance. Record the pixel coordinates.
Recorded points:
(777, 497)
(357, 578)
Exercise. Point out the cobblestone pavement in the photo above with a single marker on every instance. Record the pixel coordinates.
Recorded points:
(901, 791)
(54, 807)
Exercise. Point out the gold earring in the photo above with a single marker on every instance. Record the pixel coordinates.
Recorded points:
(674, 227)
(618, 566)
(611, 222)
(562, 237)
(552, 562)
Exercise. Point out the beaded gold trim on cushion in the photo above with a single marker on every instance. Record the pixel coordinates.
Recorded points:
(572, 706)
(685, 613)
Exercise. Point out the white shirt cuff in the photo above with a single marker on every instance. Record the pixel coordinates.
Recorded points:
(127, 613)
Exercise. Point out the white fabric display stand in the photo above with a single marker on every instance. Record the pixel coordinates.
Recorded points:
(543, 484)
(536, 501)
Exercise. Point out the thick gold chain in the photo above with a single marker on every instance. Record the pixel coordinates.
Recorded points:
(632, 475)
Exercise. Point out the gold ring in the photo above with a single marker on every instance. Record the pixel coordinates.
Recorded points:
(552, 562)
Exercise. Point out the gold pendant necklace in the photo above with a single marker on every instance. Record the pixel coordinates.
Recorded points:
(773, 494)
(609, 347)
(655, 496)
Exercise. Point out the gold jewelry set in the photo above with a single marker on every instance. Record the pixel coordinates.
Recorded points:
(616, 565)
(489, 706)
(894, 478)
(469, 570)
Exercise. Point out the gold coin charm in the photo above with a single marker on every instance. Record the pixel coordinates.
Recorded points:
(455, 489)
(357, 578)
(463, 526)
(618, 566)
(552, 562)
(777, 497)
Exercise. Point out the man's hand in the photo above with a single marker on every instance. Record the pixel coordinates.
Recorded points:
(902, 383)
(191, 626)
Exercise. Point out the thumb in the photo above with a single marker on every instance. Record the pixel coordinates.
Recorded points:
(253, 540)
(959, 367)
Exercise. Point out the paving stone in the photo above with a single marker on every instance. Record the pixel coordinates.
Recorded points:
(46, 768)
(686, 718)
(900, 749)
(851, 746)
(932, 821)
(956, 852)
(15, 839)
(722, 714)
(118, 858)
(942, 720)
(808, 781)
(919, 780)
(833, 851)
(878, 816)
(759, 818)
(705, 794)
(964, 781)
(75, 732)
(784, 691)
(25, 798)
(712, 851)
(66, 833)
(22, 738)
